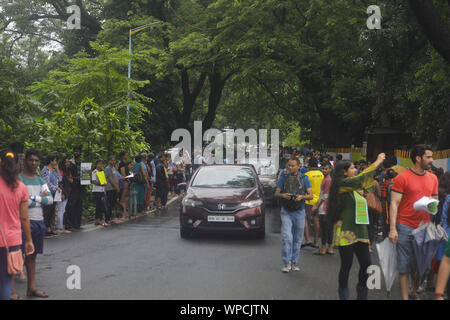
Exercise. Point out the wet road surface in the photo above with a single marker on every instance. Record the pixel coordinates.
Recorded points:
(147, 259)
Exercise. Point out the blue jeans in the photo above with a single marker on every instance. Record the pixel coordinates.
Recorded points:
(292, 228)
(405, 251)
(5, 278)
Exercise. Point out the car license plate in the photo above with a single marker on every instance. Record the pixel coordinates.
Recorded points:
(220, 218)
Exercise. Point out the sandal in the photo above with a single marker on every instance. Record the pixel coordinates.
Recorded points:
(319, 253)
(37, 293)
(309, 244)
(15, 296)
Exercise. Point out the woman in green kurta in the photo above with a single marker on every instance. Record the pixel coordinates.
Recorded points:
(347, 211)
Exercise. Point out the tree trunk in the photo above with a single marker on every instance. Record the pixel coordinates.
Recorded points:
(436, 30)
(216, 84)
(189, 97)
(444, 138)
(380, 107)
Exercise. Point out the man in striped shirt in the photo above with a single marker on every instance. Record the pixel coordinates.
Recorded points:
(39, 196)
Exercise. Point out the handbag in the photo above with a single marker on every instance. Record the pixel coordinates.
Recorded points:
(140, 178)
(373, 203)
(14, 259)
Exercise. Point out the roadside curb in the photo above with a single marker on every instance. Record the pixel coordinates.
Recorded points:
(150, 213)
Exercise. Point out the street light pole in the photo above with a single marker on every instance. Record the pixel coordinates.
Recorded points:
(133, 31)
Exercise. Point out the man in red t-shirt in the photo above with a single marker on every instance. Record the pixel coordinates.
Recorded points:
(409, 186)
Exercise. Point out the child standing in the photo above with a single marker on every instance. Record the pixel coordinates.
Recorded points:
(99, 193)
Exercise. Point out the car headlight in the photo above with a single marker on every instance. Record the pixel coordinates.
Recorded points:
(191, 203)
(252, 204)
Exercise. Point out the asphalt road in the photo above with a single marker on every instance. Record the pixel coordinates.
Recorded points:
(147, 259)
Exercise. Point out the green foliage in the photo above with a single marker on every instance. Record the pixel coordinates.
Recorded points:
(85, 103)
(13, 102)
(432, 94)
(311, 63)
(293, 139)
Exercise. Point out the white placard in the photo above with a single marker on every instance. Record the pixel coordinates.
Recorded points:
(85, 178)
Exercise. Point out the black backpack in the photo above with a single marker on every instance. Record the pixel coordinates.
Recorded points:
(293, 185)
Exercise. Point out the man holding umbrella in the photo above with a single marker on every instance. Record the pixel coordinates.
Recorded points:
(410, 186)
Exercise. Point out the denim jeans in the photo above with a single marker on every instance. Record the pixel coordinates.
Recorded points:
(132, 202)
(5, 278)
(292, 228)
(61, 210)
(405, 251)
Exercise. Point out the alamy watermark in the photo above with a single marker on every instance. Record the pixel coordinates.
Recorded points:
(74, 280)
(223, 144)
(74, 20)
(374, 21)
(374, 279)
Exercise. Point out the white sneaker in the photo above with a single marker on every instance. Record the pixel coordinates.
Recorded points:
(295, 267)
(286, 267)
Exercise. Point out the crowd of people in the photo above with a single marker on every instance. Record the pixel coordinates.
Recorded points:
(346, 205)
(351, 205)
(41, 202)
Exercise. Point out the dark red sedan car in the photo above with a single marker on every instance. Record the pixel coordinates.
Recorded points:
(223, 198)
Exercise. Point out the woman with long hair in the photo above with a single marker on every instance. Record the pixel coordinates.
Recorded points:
(125, 172)
(65, 185)
(139, 186)
(13, 202)
(347, 211)
(51, 175)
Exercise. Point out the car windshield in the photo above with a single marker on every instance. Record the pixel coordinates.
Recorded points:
(224, 177)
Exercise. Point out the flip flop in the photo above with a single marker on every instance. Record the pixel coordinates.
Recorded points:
(37, 293)
(318, 253)
(330, 253)
(15, 296)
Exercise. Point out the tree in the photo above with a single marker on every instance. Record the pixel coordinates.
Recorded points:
(19, 18)
(434, 25)
(85, 104)
(12, 101)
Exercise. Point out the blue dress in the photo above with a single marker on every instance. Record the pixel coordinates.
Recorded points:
(138, 187)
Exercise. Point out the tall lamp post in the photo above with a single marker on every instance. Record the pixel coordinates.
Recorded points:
(133, 31)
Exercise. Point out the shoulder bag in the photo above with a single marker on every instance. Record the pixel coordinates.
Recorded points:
(373, 203)
(14, 259)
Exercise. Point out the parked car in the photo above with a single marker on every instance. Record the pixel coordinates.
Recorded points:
(223, 198)
(267, 173)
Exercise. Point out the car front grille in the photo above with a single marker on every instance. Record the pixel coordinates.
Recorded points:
(224, 208)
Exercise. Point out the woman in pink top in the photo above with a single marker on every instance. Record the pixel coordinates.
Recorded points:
(326, 229)
(13, 198)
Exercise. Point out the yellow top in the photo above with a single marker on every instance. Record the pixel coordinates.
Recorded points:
(315, 177)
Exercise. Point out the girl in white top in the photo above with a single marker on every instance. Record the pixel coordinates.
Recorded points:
(99, 193)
